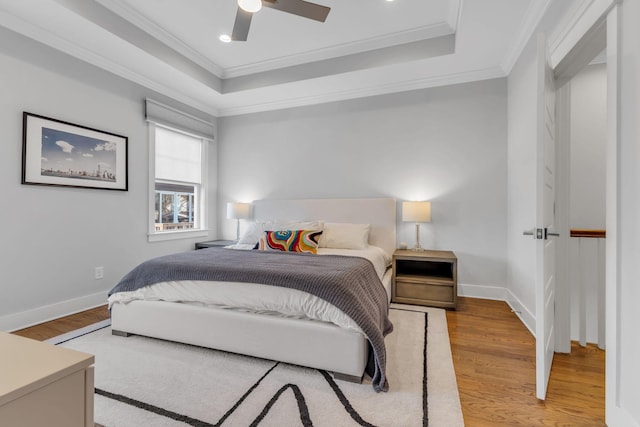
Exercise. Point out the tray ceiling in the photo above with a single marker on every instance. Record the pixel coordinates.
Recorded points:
(365, 47)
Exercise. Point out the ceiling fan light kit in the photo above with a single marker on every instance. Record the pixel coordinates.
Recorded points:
(246, 9)
(251, 6)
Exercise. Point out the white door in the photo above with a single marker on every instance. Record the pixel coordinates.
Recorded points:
(545, 214)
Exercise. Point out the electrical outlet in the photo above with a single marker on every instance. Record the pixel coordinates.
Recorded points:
(99, 273)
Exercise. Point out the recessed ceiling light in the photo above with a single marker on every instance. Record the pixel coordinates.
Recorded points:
(225, 38)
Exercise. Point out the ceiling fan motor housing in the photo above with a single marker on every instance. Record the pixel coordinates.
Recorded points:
(246, 9)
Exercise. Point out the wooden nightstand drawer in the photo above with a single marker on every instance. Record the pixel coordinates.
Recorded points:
(425, 278)
(423, 291)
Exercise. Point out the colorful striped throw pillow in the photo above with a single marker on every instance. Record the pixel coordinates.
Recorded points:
(290, 241)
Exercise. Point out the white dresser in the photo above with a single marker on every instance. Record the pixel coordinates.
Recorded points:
(44, 385)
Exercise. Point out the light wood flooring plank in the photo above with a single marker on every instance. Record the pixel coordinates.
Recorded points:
(65, 324)
(494, 358)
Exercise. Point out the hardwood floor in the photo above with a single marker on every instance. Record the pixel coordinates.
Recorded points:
(65, 324)
(494, 359)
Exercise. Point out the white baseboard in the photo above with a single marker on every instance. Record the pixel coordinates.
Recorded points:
(24, 319)
(523, 313)
(500, 293)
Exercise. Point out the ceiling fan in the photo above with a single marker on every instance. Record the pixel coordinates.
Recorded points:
(246, 9)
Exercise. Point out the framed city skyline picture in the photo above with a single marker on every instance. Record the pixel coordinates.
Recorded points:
(59, 153)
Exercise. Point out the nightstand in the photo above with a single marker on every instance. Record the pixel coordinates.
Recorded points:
(215, 244)
(425, 278)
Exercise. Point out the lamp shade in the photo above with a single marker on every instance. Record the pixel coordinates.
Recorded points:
(238, 210)
(416, 211)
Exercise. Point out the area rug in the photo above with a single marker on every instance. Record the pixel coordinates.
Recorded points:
(148, 382)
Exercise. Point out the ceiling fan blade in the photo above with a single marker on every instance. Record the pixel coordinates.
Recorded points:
(300, 8)
(241, 26)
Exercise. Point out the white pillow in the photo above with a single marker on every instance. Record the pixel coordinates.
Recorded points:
(251, 235)
(341, 235)
(256, 230)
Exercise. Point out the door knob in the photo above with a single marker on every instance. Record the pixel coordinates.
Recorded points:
(537, 233)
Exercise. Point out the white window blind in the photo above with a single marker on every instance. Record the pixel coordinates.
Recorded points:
(178, 157)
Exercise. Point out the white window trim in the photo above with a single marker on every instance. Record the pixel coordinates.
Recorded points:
(203, 230)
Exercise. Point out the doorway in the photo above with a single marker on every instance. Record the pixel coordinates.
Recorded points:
(600, 31)
(587, 202)
(582, 134)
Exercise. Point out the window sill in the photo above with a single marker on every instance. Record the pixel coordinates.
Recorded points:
(175, 235)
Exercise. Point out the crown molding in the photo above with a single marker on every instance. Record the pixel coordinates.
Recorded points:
(455, 12)
(533, 16)
(52, 40)
(209, 102)
(578, 23)
(152, 28)
(393, 39)
(423, 83)
(136, 18)
(572, 19)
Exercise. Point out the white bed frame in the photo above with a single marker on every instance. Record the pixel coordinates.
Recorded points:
(302, 342)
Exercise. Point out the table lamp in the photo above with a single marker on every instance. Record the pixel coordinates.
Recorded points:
(416, 212)
(238, 211)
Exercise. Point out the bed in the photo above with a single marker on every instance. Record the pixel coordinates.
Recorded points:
(336, 347)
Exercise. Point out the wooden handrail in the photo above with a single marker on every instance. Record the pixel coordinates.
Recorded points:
(583, 232)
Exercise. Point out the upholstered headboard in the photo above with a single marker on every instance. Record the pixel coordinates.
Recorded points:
(380, 213)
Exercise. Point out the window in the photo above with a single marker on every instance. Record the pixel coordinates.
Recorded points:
(179, 145)
(174, 206)
(178, 187)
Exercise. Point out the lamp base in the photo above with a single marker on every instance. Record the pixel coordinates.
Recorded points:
(417, 247)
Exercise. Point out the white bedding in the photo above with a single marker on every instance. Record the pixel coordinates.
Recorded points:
(261, 298)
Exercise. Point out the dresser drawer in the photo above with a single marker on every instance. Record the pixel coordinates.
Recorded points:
(424, 291)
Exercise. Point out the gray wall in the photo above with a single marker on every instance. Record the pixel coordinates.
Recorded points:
(587, 196)
(521, 209)
(447, 145)
(588, 148)
(53, 237)
(522, 147)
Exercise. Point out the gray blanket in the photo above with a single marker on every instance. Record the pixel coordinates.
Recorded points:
(349, 283)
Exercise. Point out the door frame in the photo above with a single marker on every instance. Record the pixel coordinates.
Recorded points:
(563, 177)
(587, 47)
(566, 56)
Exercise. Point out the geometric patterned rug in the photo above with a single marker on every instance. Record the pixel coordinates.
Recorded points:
(143, 381)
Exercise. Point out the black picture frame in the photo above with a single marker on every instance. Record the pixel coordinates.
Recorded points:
(63, 154)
